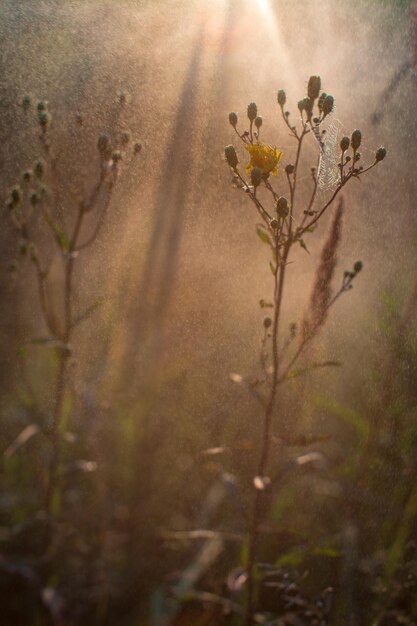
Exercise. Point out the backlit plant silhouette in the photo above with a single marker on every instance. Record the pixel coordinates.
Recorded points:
(37, 210)
(285, 226)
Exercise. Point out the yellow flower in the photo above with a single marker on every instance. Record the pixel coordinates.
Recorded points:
(264, 156)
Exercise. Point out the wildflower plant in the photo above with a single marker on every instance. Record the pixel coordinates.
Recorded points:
(285, 225)
(51, 227)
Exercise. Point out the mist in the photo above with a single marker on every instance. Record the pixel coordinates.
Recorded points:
(174, 280)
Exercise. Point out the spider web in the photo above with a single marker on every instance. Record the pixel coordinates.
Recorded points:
(328, 172)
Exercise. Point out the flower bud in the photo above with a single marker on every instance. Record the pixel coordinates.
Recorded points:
(125, 137)
(314, 86)
(39, 168)
(308, 104)
(380, 154)
(300, 105)
(256, 176)
(252, 111)
(103, 142)
(282, 207)
(289, 168)
(44, 192)
(34, 198)
(328, 104)
(137, 147)
(231, 156)
(274, 224)
(258, 122)
(356, 139)
(267, 322)
(26, 102)
(357, 267)
(233, 119)
(321, 100)
(41, 105)
(104, 146)
(122, 98)
(16, 194)
(344, 144)
(27, 176)
(44, 118)
(281, 97)
(23, 247)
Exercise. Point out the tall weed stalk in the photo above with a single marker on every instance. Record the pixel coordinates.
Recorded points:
(42, 220)
(285, 224)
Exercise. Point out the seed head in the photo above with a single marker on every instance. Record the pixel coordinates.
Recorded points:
(314, 86)
(356, 139)
(39, 168)
(282, 207)
(125, 137)
(44, 118)
(256, 176)
(16, 194)
(252, 111)
(34, 198)
(321, 101)
(26, 102)
(344, 144)
(380, 154)
(258, 122)
(23, 247)
(328, 105)
(281, 97)
(233, 119)
(231, 156)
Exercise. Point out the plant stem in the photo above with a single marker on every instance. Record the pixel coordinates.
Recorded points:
(61, 379)
(279, 277)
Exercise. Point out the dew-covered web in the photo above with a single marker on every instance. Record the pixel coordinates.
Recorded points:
(327, 138)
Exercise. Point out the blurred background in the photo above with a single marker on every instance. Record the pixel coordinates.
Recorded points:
(157, 441)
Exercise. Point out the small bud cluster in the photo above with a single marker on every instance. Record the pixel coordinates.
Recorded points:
(254, 119)
(314, 107)
(349, 275)
(354, 142)
(325, 102)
